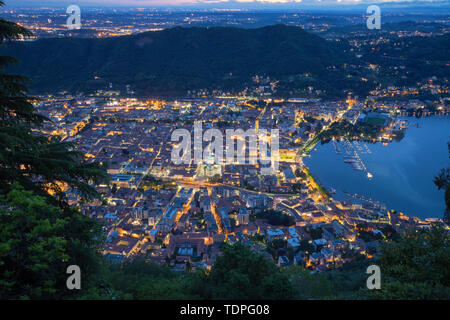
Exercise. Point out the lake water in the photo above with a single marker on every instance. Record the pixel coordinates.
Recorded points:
(403, 172)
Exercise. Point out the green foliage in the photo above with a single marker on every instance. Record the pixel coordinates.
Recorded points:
(151, 181)
(442, 181)
(38, 241)
(368, 236)
(40, 234)
(308, 285)
(276, 218)
(135, 280)
(277, 244)
(148, 281)
(38, 163)
(241, 273)
(422, 58)
(300, 174)
(352, 131)
(33, 255)
(389, 232)
(416, 266)
(349, 281)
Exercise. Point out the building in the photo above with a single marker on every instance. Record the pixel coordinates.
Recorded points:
(243, 217)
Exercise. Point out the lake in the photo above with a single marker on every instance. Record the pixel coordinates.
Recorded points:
(403, 172)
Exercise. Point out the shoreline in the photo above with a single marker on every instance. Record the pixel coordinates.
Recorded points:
(390, 206)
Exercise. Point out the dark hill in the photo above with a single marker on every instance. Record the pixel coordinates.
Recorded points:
(175, 60)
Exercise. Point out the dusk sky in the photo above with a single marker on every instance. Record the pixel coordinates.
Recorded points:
(231, 3)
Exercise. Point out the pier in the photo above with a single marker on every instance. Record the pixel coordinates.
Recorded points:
(355, 160)
(336, 147)
(376, 204)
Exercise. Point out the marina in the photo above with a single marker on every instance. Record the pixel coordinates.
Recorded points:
(402, 171)
(352, 157)
(336, 147)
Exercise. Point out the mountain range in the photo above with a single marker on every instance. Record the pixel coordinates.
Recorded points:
(175, 60)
